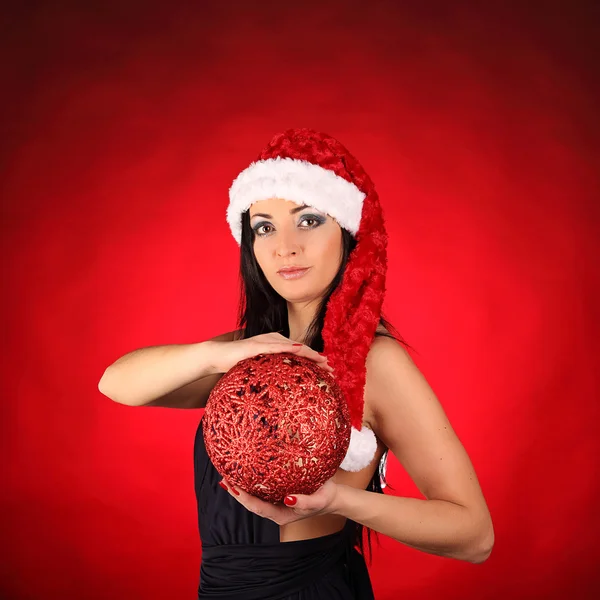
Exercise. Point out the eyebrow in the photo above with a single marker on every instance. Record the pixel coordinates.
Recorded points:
(293, 211)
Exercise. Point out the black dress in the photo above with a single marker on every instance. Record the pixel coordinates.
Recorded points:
(243, 559)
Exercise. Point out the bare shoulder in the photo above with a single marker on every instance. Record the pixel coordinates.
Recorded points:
(381, 329)
(385, 347)
(385, 353)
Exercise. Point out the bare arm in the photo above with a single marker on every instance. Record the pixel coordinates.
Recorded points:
(453, 519)
(173, 376)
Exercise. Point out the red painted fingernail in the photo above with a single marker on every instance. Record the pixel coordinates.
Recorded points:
(235, 491)
(223, 486)
(296, 344)
(290, 500)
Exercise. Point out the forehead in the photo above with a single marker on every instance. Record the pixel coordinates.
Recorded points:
(275, 205)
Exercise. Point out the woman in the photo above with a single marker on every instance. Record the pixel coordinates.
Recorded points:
(313, 264)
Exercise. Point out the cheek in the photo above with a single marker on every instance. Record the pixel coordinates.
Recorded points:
(261, 253)
(335, 245)
(331, 251)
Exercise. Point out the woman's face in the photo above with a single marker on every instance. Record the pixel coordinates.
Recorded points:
(287, 234)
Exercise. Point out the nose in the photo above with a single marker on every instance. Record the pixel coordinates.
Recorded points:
(287, 244)
(286, 251)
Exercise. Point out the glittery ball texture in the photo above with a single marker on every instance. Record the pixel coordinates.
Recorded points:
(276, 424)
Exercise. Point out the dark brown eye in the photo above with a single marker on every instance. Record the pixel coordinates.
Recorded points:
(316, 221)
(257, 230)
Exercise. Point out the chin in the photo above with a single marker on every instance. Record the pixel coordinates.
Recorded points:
(294, 295)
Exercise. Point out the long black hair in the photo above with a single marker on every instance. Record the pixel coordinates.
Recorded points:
(263, 310)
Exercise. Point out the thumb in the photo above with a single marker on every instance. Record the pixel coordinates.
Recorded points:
(302, 502)
(297, 501)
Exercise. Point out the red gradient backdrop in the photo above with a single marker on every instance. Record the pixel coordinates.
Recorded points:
(122, 128)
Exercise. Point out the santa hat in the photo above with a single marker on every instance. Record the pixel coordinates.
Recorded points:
(308, 167)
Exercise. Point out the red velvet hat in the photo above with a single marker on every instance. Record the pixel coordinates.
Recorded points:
(308, 167)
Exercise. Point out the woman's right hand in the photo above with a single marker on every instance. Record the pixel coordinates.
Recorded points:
(228, 354)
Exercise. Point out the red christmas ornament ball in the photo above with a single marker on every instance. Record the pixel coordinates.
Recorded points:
(276, 424)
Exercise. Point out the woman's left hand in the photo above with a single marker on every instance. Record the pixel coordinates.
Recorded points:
(319, 503)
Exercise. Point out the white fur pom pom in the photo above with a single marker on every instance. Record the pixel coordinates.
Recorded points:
(362, 448)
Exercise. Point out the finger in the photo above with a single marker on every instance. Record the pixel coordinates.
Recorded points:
(323, 362)
(312, 354)
(228, 487)
(314, 503)
(267, 510)
(320, 359)
(287, 348)
(301, 503)
(308, 352)
(244, 497)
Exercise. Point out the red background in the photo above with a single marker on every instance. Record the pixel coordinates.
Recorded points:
(122, 128)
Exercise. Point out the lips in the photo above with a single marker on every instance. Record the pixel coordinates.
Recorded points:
(293, 273)
(292, 269)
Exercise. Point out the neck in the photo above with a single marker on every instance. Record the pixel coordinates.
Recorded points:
(300, 316)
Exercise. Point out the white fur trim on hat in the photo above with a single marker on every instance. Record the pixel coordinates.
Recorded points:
(299, 181)
(361, 451)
